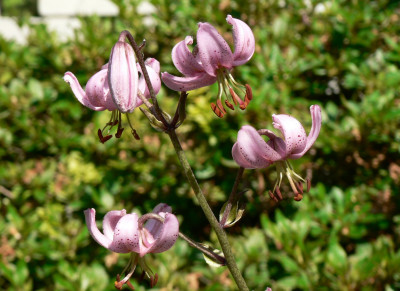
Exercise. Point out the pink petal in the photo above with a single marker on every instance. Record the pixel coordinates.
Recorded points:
(214, 51)
(154, 64)
(187, 83)
(123, 77)
(184, 60)
(153, 225)
(292, 131)
(79, 92)
(314, 132)
(98, 92)
(155, 82)
(110, 221)
(167, 235)
(101, 239)
(126, 235)
(244, 42)
(275, 142)
(253, 149)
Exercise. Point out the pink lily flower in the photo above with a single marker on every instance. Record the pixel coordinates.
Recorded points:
(212, 61)
(115, 87)
(154, 232)
(251, 151)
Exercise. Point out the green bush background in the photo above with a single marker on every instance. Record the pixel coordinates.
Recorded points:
(344, 235)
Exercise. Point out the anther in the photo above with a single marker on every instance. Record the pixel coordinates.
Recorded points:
(102, 138)
(219, 104)
(119, 132)
(299, 187)
(308, 185)
(154, 280)
(230, 106)
(236, 99)
(298, 197)
(272, 196)
(278, 191)
(217, 111)
(135, 135)
(130, 285)
(249, 92)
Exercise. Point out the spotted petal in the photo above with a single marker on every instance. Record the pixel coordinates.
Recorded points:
(126, 235)
(251, 151)
(214, 51)
(110, 221)
(314, 132)
(243, 39)
(293, 132)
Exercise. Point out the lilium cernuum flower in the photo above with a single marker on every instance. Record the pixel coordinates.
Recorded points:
(154, 232)
(251, 151)
(115, 87)
(212, 61)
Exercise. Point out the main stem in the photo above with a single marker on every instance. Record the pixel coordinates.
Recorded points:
(222, 237)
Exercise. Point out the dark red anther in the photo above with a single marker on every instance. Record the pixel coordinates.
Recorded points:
(298, 197)
(235, 97)
(117, 284)
(217, 111)
(308, 185)
(272, 196)
(219, 104)
(278, 191)
(102, 138)
(249, 92)
(299, 187)
(135, 135)
(230, 106)
(119, 132)
(154, 280)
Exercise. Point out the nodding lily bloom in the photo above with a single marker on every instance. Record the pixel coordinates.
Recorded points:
(251, 151)
(154, 232)
(115, 87)
(212, 61)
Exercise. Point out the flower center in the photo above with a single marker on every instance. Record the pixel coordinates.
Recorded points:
(284, 168)
(232, 91)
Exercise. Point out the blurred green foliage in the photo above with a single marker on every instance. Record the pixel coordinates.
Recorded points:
(344, 235)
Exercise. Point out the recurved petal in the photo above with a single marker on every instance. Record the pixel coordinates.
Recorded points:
(123, 77)
(275, 142)
(153, 225)
(183, 58)
(238, 155)
(110, 221)
(126, 235)
(243, 39)
(315, 111)
(79, 92)
(155, 82)
(98, 92)
(101, 239)
(187, 83)
(167, 234)
(154, 64)
(214, 51)
(254, 149)
(292, 131)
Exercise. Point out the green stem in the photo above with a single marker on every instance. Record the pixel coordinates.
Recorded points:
(222, 237)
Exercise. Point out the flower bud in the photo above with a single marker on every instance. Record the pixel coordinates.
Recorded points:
(123, 76)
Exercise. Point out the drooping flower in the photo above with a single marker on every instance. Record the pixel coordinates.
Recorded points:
(115, 87)
(154, 232)
(251, 151)
(212, 61)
